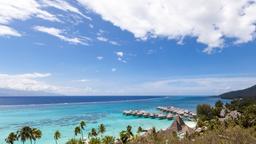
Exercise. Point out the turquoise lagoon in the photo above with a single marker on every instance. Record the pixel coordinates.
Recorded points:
(64, 117)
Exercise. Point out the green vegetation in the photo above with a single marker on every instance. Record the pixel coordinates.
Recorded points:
(57, 136)
(245, 93)
(82, 126)
(24, 134)
(12, 137)
(230, 123)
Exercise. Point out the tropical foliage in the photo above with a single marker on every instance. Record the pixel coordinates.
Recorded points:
(57, 136)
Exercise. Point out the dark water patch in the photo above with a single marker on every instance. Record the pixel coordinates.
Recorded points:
(20, 100)
(65, 121)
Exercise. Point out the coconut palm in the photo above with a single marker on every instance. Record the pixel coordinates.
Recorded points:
(82, 126)
(129, 130)
(94, 132)
(74, 141)
(139, 130)
(25, 133)
(77, 130)
(36, 134)
(101, 129)
(57, 136)
(12, 137)
(108, 140)
(124, 136)
(94, 140)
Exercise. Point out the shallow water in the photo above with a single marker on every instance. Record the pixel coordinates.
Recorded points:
(64, 117)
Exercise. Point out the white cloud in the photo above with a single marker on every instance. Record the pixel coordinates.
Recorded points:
(60, 34)
(192, 86)
(83, 80)
(203, 85)
(26, 82)
(104, 39)
(120, 56)
(99, 57)
(21, 10)
(34, 82)
(210, 22)
(65, 6)
(211, 85)
(8, 31)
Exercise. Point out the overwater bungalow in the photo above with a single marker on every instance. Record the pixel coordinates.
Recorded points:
(174, 110)
(152, 115)
(169, 116)
(161, 116)
(146, 114)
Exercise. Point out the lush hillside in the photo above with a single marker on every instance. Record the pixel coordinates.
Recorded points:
(245, 93)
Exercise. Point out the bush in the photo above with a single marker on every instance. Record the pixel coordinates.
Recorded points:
(204, 112)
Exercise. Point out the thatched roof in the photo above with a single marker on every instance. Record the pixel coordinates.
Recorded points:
(179, 126)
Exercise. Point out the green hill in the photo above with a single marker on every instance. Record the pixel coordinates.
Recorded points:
(245, 93)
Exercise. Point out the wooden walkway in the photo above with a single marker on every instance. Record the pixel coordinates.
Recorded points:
(166, 113)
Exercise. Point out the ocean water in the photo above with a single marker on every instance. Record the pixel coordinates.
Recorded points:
(64, 113)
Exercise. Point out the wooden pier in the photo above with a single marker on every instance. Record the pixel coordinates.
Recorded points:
(141, 113)
(166, 113)
(178, 111)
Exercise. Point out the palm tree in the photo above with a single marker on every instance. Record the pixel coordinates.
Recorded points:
(74, 141)
(25, 133)
(101, 129)
(139, 130)
(57, 136)
(82, 126)
(108, 140)
(94, 132)
(154, 132)
(94, 141)
(124, 137)
(77, 130)
(36, 134)
(129, 130)
(11, 138)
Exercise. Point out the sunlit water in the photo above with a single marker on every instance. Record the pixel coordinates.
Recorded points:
(64, 117)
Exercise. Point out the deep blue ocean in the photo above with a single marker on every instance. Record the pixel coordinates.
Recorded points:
(64, 113)
(29, 100)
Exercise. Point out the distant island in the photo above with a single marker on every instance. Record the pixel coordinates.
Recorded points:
(244, 93)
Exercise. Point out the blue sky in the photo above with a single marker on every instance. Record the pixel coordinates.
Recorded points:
(87, 47)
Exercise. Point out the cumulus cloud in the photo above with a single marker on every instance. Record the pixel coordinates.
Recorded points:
(59, 34)
(210, 22)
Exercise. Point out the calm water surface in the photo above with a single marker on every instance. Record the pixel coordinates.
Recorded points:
(64, 113)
